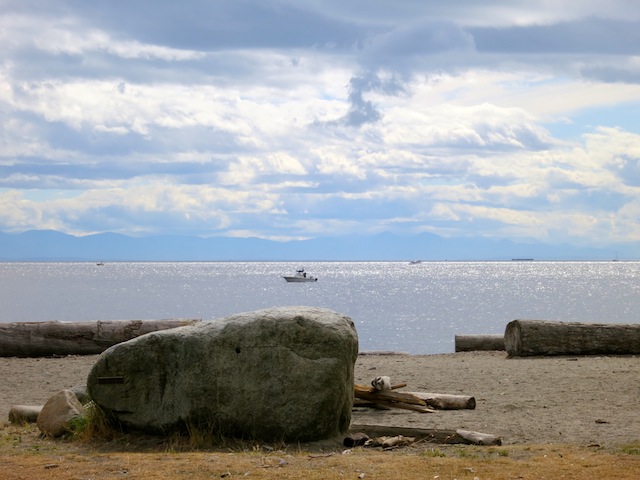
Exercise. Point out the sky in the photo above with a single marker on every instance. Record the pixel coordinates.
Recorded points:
(296, 119)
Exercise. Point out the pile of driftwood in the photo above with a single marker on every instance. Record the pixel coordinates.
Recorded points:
(382, 394)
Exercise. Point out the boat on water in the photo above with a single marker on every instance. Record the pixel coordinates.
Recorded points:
(300, 276)
(415, 262)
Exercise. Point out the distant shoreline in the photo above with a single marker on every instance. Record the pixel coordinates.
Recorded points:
(105, 247)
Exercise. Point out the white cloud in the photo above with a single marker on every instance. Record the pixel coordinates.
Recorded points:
(358, 117)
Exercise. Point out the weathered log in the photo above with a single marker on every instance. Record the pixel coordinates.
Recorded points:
(357, 402)
(540, 337)
(370, 393)
(44, 339)
(429, 435)
(471, 343)
(20, 414)
(443, 401)
(386, 405)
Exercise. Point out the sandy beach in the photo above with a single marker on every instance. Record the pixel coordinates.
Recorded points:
(543, 400)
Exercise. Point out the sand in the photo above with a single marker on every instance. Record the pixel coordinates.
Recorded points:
(543, 400)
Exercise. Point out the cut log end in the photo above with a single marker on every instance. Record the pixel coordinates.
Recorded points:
(471, 343)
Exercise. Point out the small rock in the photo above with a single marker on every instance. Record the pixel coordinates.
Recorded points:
(55, 417)
(355, 440)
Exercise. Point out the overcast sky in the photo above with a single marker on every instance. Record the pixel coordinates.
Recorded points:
(290, 119)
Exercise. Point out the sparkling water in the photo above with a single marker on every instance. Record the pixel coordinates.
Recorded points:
(415, 308)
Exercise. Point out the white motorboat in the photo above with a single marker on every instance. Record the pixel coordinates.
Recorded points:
(300, 276)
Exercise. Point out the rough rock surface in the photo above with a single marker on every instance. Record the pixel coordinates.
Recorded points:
(276, 374)
(55, 417)
(81, 394)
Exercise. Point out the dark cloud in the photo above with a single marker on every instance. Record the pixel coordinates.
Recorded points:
(591, 36)
(67, 175)
(214, 25)
(392, 57)
(612, 74)
(417, 46)
(419, 38)
(361, 110)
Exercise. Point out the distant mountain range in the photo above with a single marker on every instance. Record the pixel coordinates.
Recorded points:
(46, 245)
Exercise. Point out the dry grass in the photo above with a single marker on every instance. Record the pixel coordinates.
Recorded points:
(24, 454)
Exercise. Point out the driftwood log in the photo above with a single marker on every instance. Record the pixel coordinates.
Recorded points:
(45, 339)
(429, 435)
(540, 337)
(20, 414)
(444, 401)
(470, 343)
(391, 398)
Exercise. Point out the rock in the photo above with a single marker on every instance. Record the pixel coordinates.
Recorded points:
(55, 417)
(275, 374)
(81, 393)
(19, 414)
(381, 383)
(355, 440)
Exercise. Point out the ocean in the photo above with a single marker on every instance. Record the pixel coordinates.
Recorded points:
(396, 306)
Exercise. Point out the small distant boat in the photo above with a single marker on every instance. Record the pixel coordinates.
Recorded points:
(100, 264)
(300, 276)
(415, 262)
(522, 259)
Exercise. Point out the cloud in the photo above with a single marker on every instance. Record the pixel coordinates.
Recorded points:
(629, 73)
(409, 47)
(320, 118)
(390, 58)
(361, 110)
(224, 25)
(593, 36)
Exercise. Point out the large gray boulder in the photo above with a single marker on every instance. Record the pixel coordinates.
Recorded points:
(275, 374)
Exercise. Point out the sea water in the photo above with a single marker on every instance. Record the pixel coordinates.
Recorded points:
(396, 306)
